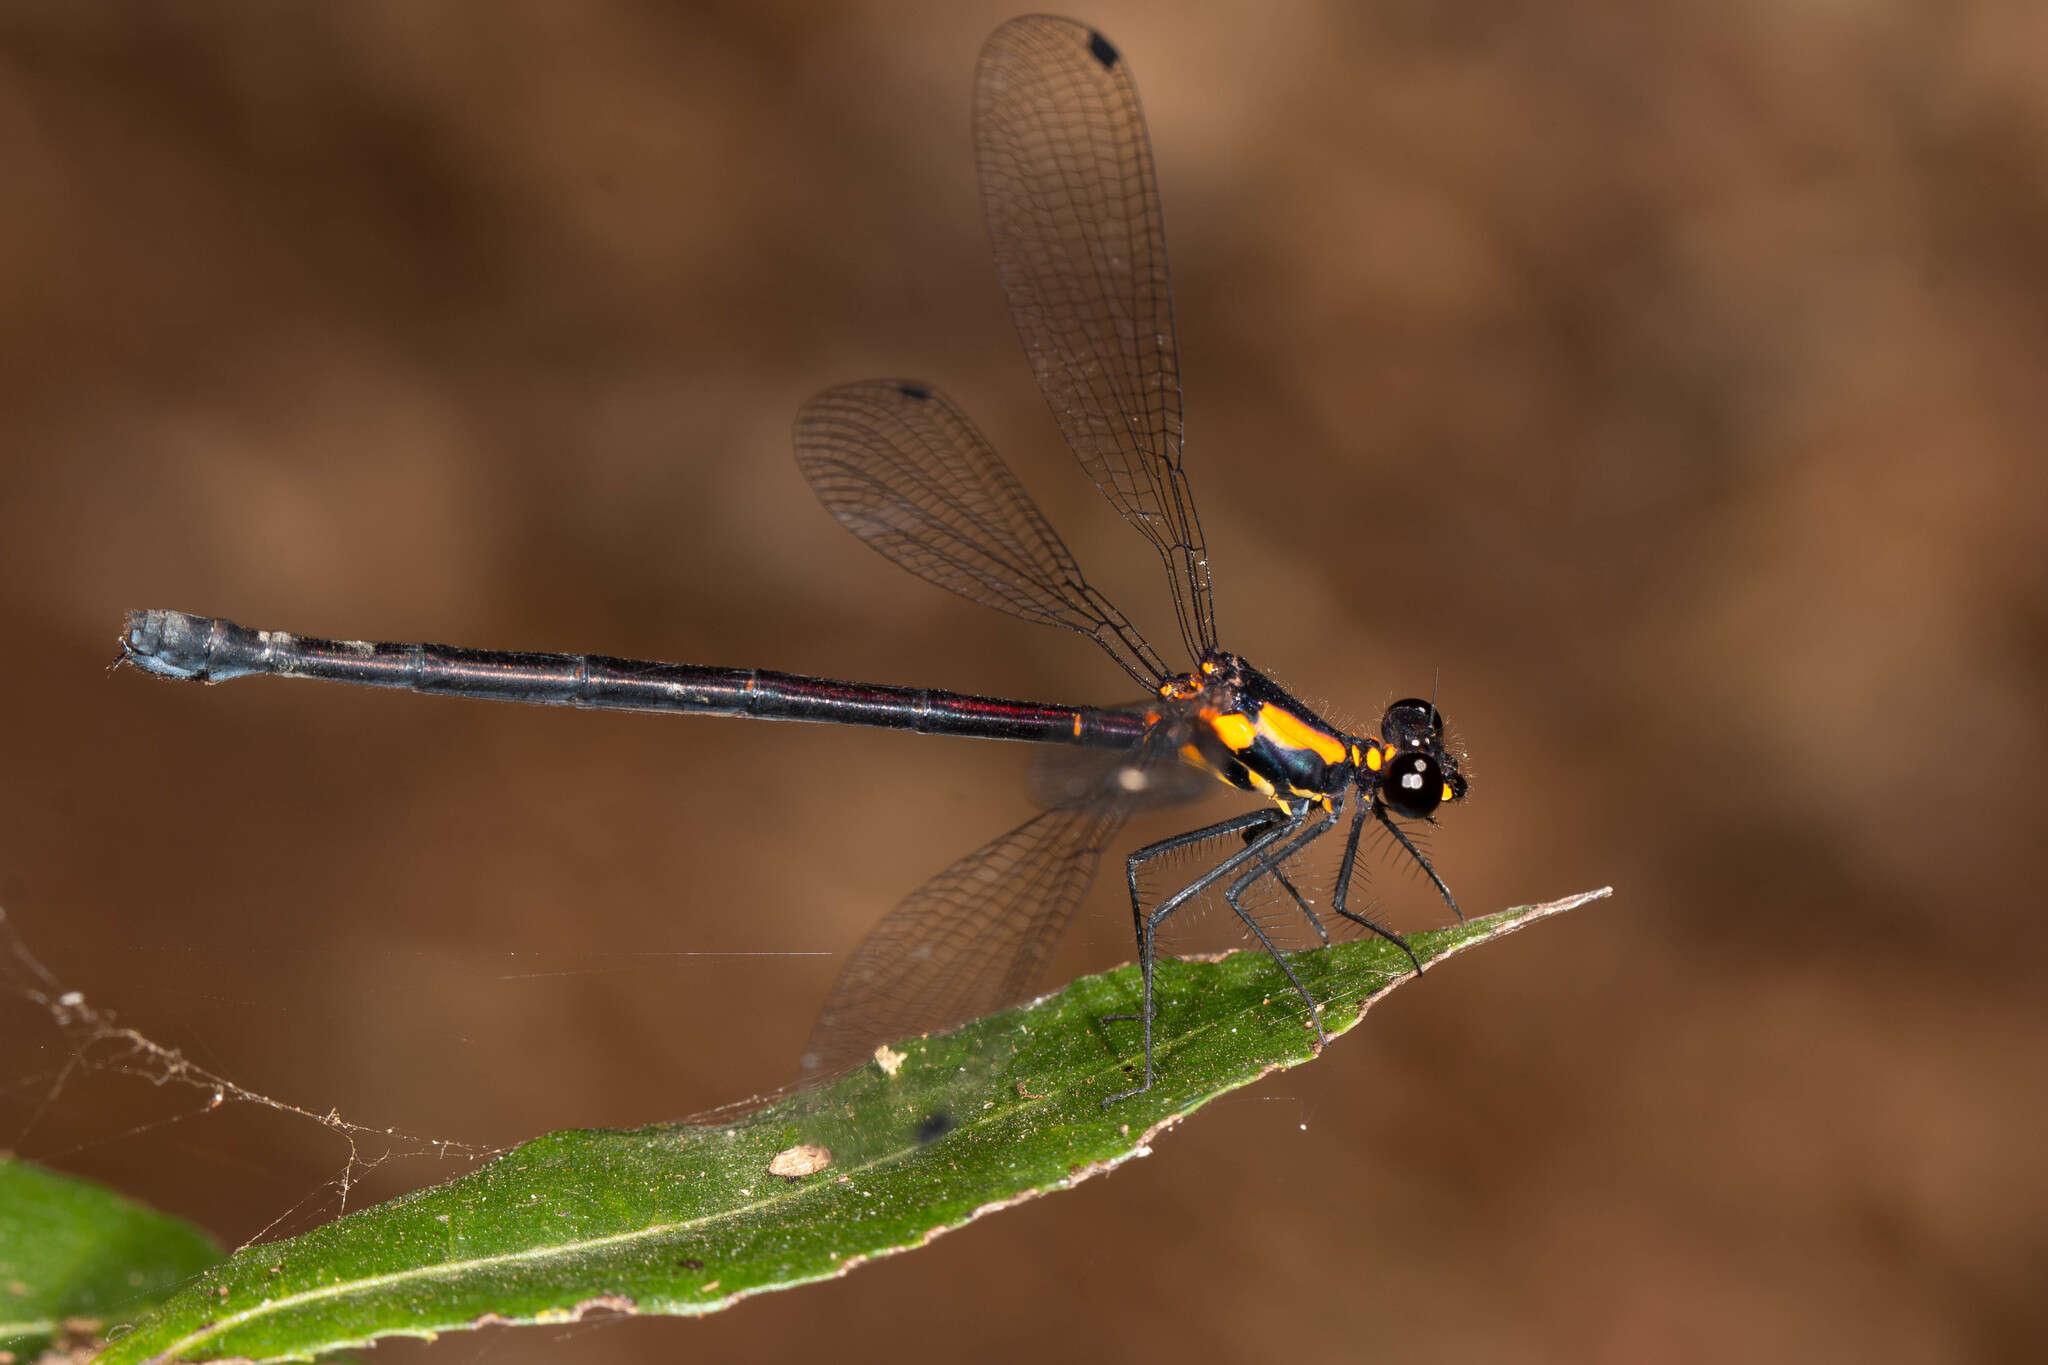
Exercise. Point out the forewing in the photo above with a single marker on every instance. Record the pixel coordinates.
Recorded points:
(904, 469)
(1072, 206)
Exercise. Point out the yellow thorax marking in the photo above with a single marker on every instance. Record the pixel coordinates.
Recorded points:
(1313, 798)
(1236, 731)
(1296, 733)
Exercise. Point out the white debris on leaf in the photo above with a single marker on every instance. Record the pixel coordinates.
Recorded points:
(800, 1160)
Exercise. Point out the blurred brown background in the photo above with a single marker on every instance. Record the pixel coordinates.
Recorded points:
(1667, 376)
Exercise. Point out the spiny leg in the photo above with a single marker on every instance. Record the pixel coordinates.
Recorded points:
(1278, 827)
(1271, 864)
(1422, 862)
(1345, 869)
(1253, 823)
(1301, 903)
(1315, 921)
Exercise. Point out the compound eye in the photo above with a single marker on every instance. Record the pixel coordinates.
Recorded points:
(1412, 724)
(1411, 785)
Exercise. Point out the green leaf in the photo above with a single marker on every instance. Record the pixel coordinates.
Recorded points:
(687, 1219)
(76, 1258)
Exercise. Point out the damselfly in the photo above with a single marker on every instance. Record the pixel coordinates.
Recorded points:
(1072, 208)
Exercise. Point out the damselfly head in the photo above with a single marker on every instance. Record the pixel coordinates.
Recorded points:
(1417, 770)
(1413, 723)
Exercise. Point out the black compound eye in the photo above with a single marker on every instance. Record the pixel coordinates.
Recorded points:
(1411, 785)
(1412, 724)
